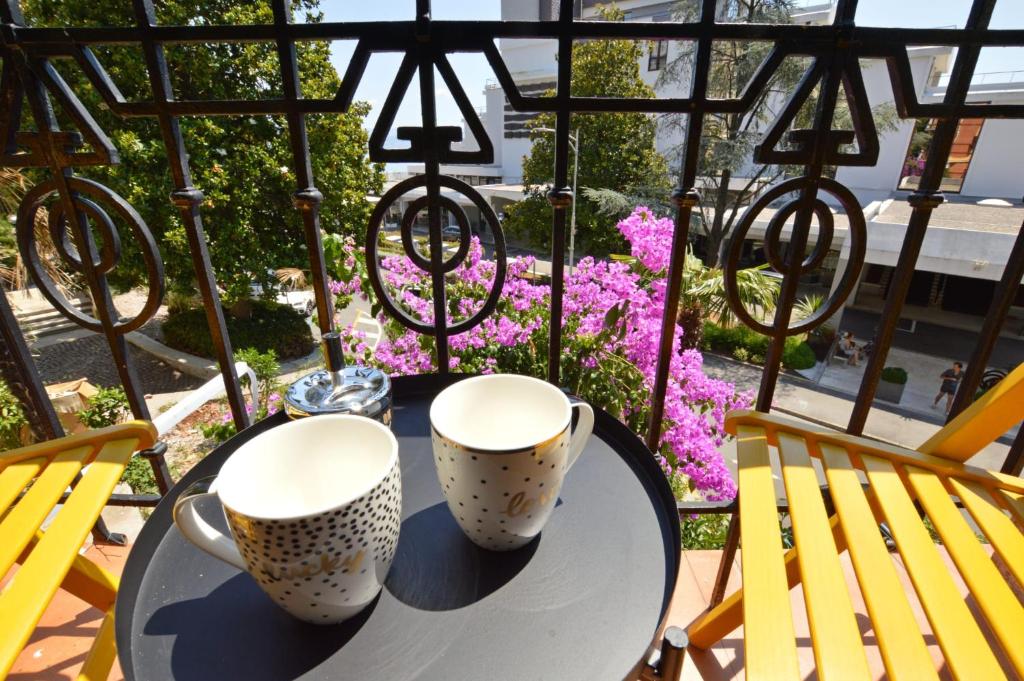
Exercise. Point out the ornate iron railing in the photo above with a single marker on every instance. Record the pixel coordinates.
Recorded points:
(833, 52)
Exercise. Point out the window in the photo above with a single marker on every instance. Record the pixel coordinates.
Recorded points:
(964, 144)
(659, 55)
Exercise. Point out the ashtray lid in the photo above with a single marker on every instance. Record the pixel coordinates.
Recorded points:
(364, 391)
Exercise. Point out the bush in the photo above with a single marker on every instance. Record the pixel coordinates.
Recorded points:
(139, 476)
(106, 407)
(894, 375)
(266, 368)
(704, 531)
(12, 418)
(271, 326)
(798, 355)
(748, 345)
(727, 339)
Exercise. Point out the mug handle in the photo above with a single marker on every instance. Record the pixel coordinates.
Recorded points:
(584, 427)
(200, 532)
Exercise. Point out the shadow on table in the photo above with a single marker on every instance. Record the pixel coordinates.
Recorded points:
(204, 648)
(437, 568)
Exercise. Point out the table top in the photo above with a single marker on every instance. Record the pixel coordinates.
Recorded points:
(582, 601)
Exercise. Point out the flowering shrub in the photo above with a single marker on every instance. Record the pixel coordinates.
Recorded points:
(611, 331)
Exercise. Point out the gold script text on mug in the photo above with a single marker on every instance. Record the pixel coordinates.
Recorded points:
(520, 504)
(327, 565)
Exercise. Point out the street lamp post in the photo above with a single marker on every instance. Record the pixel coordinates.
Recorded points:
(574, 142)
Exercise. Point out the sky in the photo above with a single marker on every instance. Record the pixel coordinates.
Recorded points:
(473, 70)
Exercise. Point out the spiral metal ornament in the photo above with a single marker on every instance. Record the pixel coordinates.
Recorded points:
(856, 234)
(94, 204)
(450, 263)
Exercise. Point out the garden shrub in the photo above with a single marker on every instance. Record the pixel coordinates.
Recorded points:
(107, 407)
(265, 366)
(271, 326)
(110, 406)
(894, 375)
(748, 345)
(704, 532)
(798, 355)
(12, 418)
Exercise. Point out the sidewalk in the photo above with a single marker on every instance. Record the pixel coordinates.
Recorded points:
(829, 407)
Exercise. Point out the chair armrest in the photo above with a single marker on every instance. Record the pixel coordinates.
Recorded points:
(144, 431)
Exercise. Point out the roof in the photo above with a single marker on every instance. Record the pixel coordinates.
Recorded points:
(960, 214)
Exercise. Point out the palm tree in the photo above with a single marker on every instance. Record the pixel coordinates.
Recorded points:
(13, 274)
(703, 297)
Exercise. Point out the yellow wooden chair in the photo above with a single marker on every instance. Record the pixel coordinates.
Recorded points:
(934, 476)
(50, 559)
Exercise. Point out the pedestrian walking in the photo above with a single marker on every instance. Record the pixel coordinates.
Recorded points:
(950, 382)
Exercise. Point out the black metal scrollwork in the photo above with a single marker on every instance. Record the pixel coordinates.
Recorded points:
(91, 201)
(773, 248)
(447, 265)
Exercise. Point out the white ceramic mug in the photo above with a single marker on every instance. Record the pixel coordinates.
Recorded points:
(314, 508)
(502, 446)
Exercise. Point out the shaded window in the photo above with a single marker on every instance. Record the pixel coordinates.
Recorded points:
(658, 57)
(960, 155)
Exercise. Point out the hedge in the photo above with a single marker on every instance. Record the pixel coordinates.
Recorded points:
(271, 326)
(894, 375)
(749, 345)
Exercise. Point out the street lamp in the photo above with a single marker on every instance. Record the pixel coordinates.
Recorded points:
(574, 142)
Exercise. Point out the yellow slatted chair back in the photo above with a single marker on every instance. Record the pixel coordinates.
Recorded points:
(991, 415)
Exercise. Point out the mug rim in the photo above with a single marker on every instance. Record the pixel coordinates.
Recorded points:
(509, 450)
(348, 499)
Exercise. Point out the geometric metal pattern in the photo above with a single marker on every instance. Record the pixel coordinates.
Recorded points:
(834, 51)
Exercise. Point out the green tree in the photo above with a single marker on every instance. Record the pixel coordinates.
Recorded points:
(243, 164)
(616, 151)
(728, 179)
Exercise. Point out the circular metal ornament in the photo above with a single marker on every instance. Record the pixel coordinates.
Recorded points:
(856, 234)
(448, 265)
(94, 202)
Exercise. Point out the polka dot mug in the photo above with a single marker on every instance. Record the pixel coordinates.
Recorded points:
(314, 507)
(502, 446)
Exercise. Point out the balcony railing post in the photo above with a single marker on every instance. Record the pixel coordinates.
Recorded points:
(685, 198)
(307, 198)
(1002, 299)
(187, 199)
(923, 201)
(560, 195)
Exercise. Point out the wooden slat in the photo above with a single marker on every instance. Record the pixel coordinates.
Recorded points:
(963, 645)
(143, 431)
(19, 526)
(1015, 504)
(769, 639)
(899, 638)
(997, 601)
(838, 651)
(85, 580)
(26, 597)
(15, 478)
(711, 626)
(101, 656)
(814, 436)
(1005, 537)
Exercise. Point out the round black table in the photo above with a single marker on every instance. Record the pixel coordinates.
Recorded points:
(582, 601)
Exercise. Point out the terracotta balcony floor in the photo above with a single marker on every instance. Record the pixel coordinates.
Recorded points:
(60, 643)
(58, 647)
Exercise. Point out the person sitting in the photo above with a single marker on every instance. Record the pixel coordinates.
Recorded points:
(848, 349)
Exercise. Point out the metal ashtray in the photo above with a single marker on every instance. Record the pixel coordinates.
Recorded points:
(340, 389)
